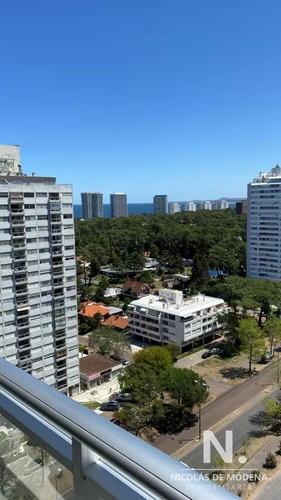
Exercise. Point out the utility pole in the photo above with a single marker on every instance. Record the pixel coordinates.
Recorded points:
(201, 384)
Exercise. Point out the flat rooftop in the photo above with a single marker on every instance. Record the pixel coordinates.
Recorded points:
(95, 363)
(186, 307)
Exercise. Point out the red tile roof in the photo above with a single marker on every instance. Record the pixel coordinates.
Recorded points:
(117, 321)
(89, 310)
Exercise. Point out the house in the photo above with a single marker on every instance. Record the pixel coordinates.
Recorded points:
(96, 369)
(135, 289)
(118, 322)
(90, 309)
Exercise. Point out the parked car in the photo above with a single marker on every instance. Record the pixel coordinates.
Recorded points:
(266, 357)
(215, 350)
(125, 363)
(206, 354)
(110, 406)
(124, 397)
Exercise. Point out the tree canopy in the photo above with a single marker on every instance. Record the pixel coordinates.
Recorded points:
(158, 358)
(218, 235)
(251, 338)
(109, 342)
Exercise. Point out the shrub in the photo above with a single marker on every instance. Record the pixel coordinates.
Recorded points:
(270, 461)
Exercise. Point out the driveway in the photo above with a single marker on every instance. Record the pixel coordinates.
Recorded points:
(191, 360)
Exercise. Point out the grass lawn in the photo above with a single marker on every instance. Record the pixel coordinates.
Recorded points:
(233, 370)
(92, 405)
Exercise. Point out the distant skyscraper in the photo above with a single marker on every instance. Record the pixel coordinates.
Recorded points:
(263, 226)
(175, 208)
(205, 205)
(160, 204)
(220, 205)
(97, 205)
(118, 205)
(190, 206)
(241, 207)
(38, 297)
(86, 199)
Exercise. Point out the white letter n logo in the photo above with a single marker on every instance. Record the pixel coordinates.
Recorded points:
(226, 454)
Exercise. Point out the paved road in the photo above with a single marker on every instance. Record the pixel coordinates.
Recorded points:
(271, 489)
(241, 428)
(191, 360)
(235, 397)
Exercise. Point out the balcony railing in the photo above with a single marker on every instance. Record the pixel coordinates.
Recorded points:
(107, 462)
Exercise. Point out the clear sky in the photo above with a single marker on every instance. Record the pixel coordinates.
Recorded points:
(180, 97)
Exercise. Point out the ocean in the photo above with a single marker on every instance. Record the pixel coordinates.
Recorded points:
(133, 208)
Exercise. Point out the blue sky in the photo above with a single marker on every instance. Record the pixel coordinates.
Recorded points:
(143, 96)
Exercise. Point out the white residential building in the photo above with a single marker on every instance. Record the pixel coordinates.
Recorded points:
(168, 319)
(174, 208)
(38, 303)
(190, 206)
(220, 205)
(264, 226)
(205, 205)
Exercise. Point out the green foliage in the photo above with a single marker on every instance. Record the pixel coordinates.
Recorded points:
(125, 304)
(109, 342)
(134, 418)
(174, 351)
(135, 261)
(200, 271)
(82, 347)
(229, 349)
(272, 415)
(91, 404)
(219, 237)
(83, 329)
(270, 461)
(141, 381)
(251, 338)
(185, 386)
(247, 293)
(272, 330)
(219, 463)
(158, 358)
(230, 323)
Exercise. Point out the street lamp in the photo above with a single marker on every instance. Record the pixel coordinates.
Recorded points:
(278, 366)
(201, 384)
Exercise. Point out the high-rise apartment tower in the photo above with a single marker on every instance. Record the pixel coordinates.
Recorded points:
(97, 205)
(264, 226)
(86, 199)
(38, 301)
(118, 205)
(160, 204)
(174, 208)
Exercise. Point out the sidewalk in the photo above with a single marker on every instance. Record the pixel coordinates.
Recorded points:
(255, 463)
(99, 393)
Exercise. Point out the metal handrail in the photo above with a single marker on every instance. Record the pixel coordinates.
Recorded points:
(144, 463)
